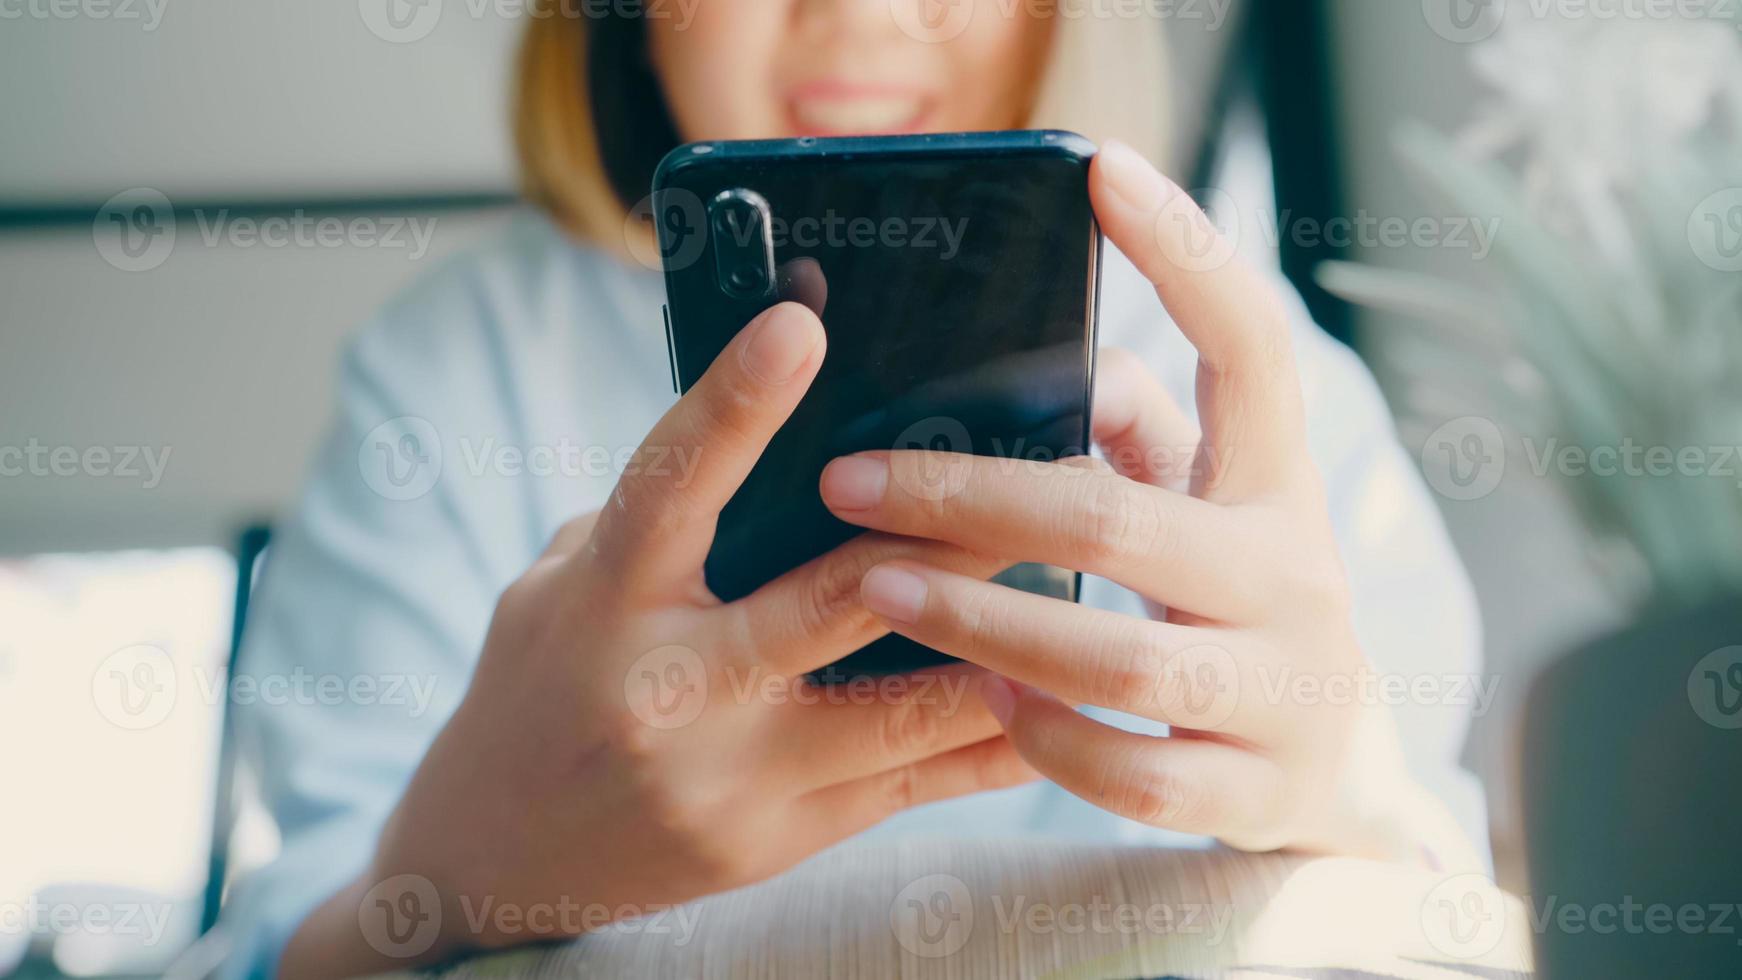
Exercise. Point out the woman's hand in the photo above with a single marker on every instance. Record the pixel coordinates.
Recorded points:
(629, 742)
(1226, 531)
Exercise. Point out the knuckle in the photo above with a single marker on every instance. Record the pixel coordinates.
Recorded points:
(1185, 685)
(1136, 682)
(716, 860)
(1169, 696)
(687, 821)
(633, 740)
(722, 861)
(908, 728)
(1118, 524)
(676, 813)
(1162, 798)
(899, 789)
(975, 615)
(930, 483)
(830, 599)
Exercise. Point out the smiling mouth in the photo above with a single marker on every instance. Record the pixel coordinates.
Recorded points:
(858, 115)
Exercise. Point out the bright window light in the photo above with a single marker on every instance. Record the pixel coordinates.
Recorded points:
(111, 692)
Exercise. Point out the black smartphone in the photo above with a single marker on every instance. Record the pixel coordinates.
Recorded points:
(957, 277)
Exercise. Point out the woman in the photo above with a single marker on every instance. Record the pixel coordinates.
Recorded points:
(460, 533)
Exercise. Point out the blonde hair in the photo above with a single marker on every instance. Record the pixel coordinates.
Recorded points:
(590, 122)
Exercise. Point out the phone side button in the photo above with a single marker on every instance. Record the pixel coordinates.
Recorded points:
(670, 347)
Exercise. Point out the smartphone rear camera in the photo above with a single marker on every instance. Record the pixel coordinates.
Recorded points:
(747, 279)
(739, 221)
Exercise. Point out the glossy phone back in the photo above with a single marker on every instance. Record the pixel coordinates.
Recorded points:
(957, 277)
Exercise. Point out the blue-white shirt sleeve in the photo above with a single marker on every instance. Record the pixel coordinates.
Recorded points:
(1414, 607)
(384, 579)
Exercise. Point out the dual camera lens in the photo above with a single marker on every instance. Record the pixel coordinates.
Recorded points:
(739, 220)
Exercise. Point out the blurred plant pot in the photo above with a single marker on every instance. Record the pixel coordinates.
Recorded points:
(1633, 801)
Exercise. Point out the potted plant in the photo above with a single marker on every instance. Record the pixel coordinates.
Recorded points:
(1611, 348)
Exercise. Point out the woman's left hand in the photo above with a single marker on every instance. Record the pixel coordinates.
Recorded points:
(1226, 533)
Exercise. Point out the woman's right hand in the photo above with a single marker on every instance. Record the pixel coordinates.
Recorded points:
(629, 742)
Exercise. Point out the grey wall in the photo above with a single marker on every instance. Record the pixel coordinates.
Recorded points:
(222, 353)
(222, 358)
(218, 99)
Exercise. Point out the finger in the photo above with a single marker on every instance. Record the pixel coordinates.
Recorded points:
(1174, 549)
(837, 733)
(1142, 431)
(846, 809)
(813, 615)
(1184, 676)
(1248, 390)
(660, 522)
(1195, 786)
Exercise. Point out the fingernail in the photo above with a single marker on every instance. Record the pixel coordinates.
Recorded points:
(1000, 696)
(781, 343)
(1131, 178)
(854, 482)
(893, 593)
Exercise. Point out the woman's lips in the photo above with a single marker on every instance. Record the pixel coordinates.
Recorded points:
(838, 110)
